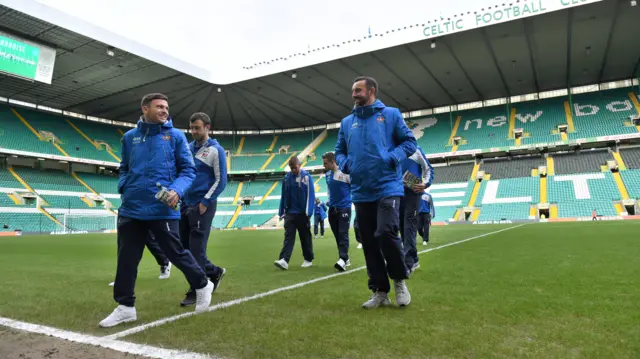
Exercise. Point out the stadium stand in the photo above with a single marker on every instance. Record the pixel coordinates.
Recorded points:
(602, 114)
(577, 195)
(631, 157)
(53, 180)
(504, 168)
(250, 163)
(631, 180)
(327, 145)
(16, 136)
(257, 144)
(484, 128)
(582, 162)
(100, 183)
(538, 119)
(432, 132)
(453, 173)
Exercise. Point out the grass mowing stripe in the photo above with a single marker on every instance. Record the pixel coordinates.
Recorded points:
(230, 303)
(117, 345)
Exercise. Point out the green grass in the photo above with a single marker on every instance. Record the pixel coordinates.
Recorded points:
(541, 290)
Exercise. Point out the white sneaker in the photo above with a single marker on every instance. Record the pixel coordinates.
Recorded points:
(122, 314)
(348, 263)
(316, 236)
(376, 300)
(203, 297)
(424, 243)
(282, 264)
(306, 264)
(359, 245)
(340, 265)
(321, 236)
(403, 297)
(112, 284)
(165, 272)
(415, 266)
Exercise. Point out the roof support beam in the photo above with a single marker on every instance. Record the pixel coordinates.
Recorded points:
(233, 120)
(317, 92)
(381, 93)
(569, 34)
(424, 67)
(130, 101)
(636, 70)
(298, 98)
(495, 61)
(171, 103)
(427, 103)
(285, 106)
(614, 20)
(532, 57)
(443, 42)
(124, 90)
(257, 108)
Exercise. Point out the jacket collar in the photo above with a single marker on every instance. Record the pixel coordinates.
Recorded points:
(154, 128)
(365, 112)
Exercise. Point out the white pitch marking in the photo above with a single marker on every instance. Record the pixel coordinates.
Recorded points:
(117, 345)
(231, 303)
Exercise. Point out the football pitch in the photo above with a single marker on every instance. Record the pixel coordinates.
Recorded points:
(554, 290)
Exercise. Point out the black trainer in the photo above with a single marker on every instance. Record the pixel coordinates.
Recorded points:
(189, 299)
(216, 281)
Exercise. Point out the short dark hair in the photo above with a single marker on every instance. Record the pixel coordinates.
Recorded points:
(369, 81)
(146, 100)
(294, 160)
(200, 116)
(329, 156)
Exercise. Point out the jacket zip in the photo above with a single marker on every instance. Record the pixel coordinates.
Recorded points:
(166, 160)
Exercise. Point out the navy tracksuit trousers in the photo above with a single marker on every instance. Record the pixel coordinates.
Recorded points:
(132, 237)
(378, 223)
(194, 234)
(156, 251)
(317, 221)
(409, 207)
(301, 224)
(340, 220)
(424, 224)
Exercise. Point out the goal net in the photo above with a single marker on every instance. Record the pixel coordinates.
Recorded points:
(83, 223)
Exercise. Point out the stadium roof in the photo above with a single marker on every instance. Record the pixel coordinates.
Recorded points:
(583, 45)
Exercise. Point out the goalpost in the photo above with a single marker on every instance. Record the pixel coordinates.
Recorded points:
(87, 222)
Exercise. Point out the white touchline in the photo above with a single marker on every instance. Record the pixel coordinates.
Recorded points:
(231, 303)
(117, 345)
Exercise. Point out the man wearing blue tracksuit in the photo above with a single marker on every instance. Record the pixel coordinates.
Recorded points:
(154, 153)
(427, 212)
(297, 203)
(339, 187)
(201, 200)
(320, 214)
(372, 143)
(418, 165)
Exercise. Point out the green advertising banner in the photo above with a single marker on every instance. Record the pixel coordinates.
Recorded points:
(25, 59)
(18, 58)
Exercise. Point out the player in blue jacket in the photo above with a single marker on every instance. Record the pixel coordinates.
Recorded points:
(427, 212)
(153, 153)
(319, 215)
(372, 143)
(297, 203)
(201, 200)
(417, 166)
(339, 187)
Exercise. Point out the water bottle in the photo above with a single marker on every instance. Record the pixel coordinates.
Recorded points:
(163, 196)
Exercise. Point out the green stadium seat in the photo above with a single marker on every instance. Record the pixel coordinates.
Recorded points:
(50, 180)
